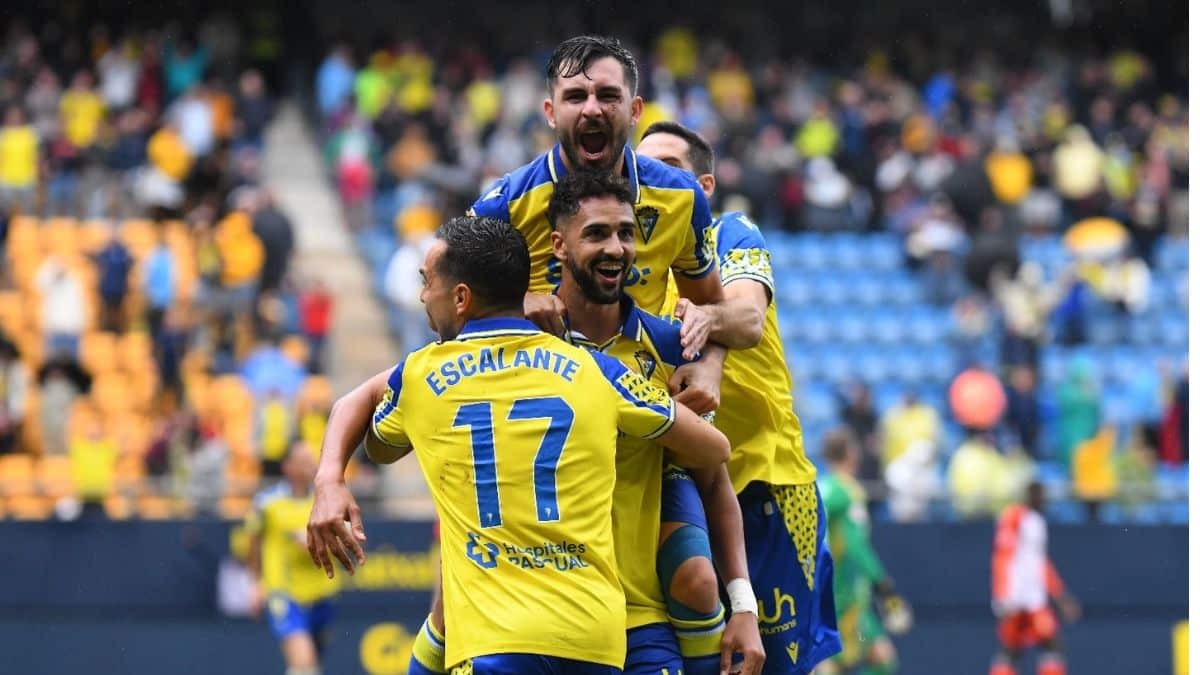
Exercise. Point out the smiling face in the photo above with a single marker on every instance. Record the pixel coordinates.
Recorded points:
(596, 244)
(592, 113)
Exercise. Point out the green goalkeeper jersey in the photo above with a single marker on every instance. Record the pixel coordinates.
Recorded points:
(856, 567)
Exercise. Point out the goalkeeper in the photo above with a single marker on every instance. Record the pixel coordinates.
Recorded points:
(858, 575)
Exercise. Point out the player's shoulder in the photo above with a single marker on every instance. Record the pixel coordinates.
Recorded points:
(736, 230)
(657, 174)
(663, 335)
(514, 185)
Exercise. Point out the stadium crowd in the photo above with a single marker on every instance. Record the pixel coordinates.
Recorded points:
(1038, 202)
(158, 355)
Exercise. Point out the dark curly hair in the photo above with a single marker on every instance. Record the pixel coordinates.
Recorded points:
(489, 256)
(573, 56)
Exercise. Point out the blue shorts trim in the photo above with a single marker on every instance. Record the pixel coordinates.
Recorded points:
(530, 664)
(652, 648)
(681, 498)
(287, 616)
(797, 620)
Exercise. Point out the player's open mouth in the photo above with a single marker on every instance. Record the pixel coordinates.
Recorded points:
(593, 144)
(611, 272)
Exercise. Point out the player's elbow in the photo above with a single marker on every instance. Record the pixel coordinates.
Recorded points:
(712, 449)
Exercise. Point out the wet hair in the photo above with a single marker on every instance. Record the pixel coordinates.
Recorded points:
(489, 256)
(573, 56)
(570, 192)
(700, 153)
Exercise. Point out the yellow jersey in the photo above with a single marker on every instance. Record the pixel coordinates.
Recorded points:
(756, 413)
(650, 346)
(670, 208)
(516, 432)
(280, 520)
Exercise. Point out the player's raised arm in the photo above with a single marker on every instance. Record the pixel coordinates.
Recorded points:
(333, 505)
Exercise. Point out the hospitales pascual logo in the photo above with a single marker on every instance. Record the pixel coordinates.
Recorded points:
(481, 553)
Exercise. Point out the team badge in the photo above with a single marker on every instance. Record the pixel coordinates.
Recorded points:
(646, 361)
(647, 218)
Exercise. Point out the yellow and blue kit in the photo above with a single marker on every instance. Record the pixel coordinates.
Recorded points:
(299, 595)
(790, 566)
(646, 491)
(670, 208)
(516, 432)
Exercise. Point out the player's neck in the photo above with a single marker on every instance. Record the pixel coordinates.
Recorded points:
(597, 322)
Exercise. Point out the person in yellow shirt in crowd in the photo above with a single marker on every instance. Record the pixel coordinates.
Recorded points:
(1009, 171)
(93, 454)
(81, 110)
(907, 423)
(168, 153)
(298, 597)
(19, 161)
(242, 256)
(274, 425)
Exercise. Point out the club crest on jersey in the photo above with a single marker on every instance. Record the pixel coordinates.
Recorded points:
(647, 218)
(646, 361)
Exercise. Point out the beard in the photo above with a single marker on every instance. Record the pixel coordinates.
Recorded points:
(571, 144)
(591, 288)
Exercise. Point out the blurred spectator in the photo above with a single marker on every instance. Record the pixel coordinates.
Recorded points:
(1078, 169)
(1023, 414)
(1094, 471)
(205, 470)
(63, 307)
(316, 318)
(1010, 172)
(993, 251)
(14, 388)
(857, 412)
(913, 481)
(909, 422)
(242, 257)
(113, 264)
(82, 112)
(335, 80)
(159, 279)
(118, 70)
(403, 280)
(192, 114)
(972, 475)
(1078, 409)
(1173, 446)
(274, 229)
(1024, 305)
(60, 382)
(93, 453)
(19, 161)
(183, 66)
(253, 109)
(161, 185)
(273, 432)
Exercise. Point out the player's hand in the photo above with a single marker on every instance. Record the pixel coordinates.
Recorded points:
(547, 311)
(697, 386)
(697, 324)
(1070, 609)
(741, 637)
(333, 507)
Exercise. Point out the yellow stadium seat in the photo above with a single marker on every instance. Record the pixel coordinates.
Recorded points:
(316, 392)
(54, 476)
(131, 470)
(98, 352)
(111, 394)
(242, 474)
(12, 312)
(17, 475)
(30, 507)
(139, 236)
(295, 348)
(94, 235)
(23, 237)
(60, 236)
(136, 351)
(154, 507)
(118, 507)
(234, 507)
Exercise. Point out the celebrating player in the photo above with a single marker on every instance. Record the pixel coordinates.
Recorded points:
(1023, 579)
(860, 575)
(594, 229)
(790, 568)
(515, 432)
(299, 598)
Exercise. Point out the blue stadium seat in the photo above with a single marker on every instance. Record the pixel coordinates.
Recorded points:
(1106, 329)
(1173, 329)
(851, 326)
(887, 325)
(868, 289)
(1171, 254)
(884, 251)
(846, 251)
(904, 291)
(819, 402)
(816, 327)
(1066, 511)
(831, 289)
(1175, 512)
(874, 366)
(810, 252)
(794, 289)
(1142, 329)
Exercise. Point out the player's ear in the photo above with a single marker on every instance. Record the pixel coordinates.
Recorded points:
(708, 183)
(548, 108)
(558, 244)
(462, 299)
(638, 106)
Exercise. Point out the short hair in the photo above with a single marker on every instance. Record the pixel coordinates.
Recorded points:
(835, 447)
(489, 256)
(583, 184)
(574, 55)
(700, 153)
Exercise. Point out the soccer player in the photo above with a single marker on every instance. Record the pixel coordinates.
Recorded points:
(516, 432)
(790, 567)
(592, 214)
(860, 575)
(299, 598)
(1023, 581)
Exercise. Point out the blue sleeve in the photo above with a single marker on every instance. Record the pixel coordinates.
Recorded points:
(664, 335)
(388, 421)
(701, 221)
(493, 203)
(743, 253)
(644, 410)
